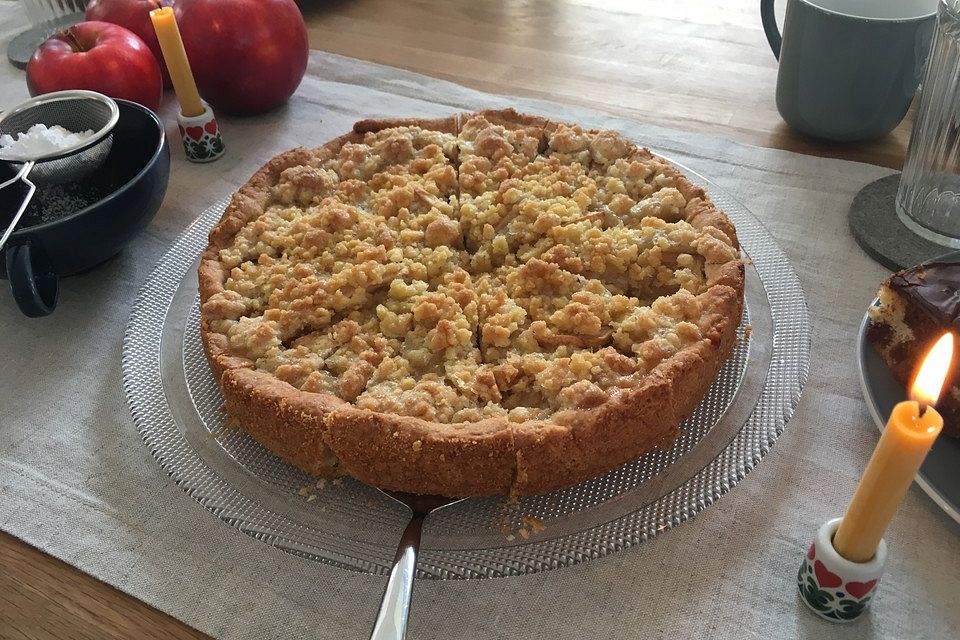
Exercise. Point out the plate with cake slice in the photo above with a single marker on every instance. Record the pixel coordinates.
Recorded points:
(913, 308)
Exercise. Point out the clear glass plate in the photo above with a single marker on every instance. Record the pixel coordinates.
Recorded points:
(177, 407)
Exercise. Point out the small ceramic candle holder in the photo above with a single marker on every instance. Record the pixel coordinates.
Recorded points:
(202, 141)
(833, 587)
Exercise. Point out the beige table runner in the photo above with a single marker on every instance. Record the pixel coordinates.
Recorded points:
(76, 481)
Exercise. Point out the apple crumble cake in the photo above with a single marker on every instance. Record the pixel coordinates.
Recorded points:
(485, 304)
(914, 308)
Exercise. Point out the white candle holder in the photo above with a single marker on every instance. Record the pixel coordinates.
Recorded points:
(201, 137)
(833, 587)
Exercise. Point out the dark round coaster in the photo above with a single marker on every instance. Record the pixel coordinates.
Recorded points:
(879, 231)
(24, 44)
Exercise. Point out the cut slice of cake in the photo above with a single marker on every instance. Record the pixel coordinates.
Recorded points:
(915, 307)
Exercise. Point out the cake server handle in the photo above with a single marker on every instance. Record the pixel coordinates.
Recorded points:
(391, 623)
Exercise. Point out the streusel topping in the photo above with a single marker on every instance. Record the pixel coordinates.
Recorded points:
(505, 272)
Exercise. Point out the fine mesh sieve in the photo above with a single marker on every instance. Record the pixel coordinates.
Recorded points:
(73, 110)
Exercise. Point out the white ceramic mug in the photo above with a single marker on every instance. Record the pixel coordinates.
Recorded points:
(849, 68)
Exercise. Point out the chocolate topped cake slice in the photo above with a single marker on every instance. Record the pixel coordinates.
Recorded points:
(915, 307)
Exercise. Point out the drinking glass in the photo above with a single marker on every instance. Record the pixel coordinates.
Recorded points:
(42, 11)
(928, 200)
(46, 18)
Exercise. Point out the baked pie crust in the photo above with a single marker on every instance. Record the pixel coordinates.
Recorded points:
(485, 304)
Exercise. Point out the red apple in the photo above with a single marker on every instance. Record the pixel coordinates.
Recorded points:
(134, 15)
(98, 56)
(248, 56)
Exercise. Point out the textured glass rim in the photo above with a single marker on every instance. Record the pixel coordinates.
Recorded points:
(783, 384)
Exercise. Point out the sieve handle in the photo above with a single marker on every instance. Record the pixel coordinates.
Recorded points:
(34, 283)
(31, 189)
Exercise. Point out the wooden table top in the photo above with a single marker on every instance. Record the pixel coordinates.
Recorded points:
(698, 65)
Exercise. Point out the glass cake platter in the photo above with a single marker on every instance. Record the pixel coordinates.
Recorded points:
(177, 407)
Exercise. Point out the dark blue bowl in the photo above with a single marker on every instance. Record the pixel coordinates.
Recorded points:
(128, 189)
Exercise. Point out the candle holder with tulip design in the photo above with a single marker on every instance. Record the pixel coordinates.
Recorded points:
(202, 141)
(835, 588)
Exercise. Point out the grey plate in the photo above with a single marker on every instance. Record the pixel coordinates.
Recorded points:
(177, 407)
(938, 476)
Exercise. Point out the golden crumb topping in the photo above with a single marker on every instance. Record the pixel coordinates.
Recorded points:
(508, 271)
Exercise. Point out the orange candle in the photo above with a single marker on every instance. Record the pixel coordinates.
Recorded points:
(168, 34)
(908, 436)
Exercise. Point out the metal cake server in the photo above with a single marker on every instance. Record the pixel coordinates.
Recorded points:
(391, 622)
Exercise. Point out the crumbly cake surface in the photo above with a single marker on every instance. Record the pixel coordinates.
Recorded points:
(915, 306)
(485, 304)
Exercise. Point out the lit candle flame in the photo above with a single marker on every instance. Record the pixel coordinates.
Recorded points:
(933, 372)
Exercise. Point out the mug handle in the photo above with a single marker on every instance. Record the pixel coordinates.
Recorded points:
(769, 21)
(34, 284)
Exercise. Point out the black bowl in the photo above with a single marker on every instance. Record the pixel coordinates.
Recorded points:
(113, 204)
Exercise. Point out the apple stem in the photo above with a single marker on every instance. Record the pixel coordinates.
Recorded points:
(72, 39)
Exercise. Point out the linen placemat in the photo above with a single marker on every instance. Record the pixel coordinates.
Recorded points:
(76, 481)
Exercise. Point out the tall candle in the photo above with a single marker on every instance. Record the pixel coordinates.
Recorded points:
(910, 432)
(171, 44)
